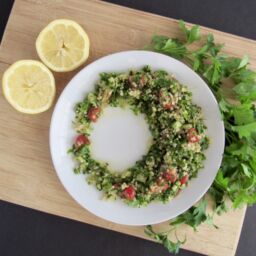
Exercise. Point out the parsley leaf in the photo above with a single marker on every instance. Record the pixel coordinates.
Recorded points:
(246, 90)
(244, 62)
(221, 181)
(162, 237)
(245, 131)
(194, 216)
(171, 47)
(192, 34)
(244, 114)
(213, 71)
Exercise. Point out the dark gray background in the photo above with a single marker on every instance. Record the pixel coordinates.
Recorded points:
(27, 232)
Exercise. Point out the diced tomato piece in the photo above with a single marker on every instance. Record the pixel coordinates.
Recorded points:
(192, 135)
(170, 175)
(129, 193)
(93, 114)
(184, 179)
(168, 106)
(193, 139)
(192, 131)
(160, 181)
(165, 187)
(82, 140)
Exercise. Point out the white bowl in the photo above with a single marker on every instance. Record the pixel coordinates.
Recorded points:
(62, 136)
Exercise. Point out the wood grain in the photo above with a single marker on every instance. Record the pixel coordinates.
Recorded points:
(27, 176)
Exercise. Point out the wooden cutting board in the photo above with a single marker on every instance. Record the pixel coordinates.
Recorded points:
(27, 176)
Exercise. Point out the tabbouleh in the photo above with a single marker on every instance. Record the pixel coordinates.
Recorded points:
(176, 124)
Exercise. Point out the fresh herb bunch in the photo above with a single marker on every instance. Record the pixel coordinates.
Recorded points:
(236, 178)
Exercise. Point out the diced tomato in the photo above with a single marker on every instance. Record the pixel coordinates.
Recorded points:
(162, 183)
(193, 139)
(165, 187)
(93, 114)
(82, 140)
(129, 193)
(170, 175)
(184, 180)
(192, 135)
(168, 106)
(192, 131)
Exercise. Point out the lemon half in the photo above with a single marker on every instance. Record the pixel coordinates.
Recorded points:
(63, 45)
(29, 86)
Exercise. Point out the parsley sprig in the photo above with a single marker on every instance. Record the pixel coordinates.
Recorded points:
(236, 178)
(163, 238)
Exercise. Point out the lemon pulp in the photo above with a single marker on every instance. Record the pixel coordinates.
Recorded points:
(29, 86)
(63, 45)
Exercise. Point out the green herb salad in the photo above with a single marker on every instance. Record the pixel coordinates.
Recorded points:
(176, 124)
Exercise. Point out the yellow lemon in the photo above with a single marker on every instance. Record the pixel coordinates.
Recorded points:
(29, 86)
(63, 45)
